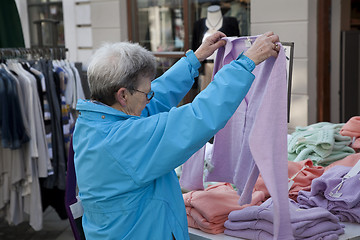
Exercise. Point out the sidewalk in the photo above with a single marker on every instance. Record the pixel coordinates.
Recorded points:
(53, 229)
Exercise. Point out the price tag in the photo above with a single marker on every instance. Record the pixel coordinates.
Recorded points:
(248, 42)
(290, 184)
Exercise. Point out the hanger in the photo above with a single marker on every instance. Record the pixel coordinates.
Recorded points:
(353, 172)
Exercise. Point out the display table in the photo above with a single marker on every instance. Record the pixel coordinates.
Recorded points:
(352, 232)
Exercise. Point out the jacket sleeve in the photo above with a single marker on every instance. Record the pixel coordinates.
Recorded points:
(166, 140)
(171, 87)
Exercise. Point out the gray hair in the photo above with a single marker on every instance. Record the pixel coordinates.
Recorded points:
(117, 65)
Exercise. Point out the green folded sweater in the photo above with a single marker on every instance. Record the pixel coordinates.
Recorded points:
(320, 142)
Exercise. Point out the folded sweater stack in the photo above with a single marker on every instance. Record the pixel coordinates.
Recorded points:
(320, 142)
(256, 222)
(208, 209)
(336, 193)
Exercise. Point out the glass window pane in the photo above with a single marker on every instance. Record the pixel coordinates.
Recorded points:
(163, 64)
(36, 1)
(160, 25)
(43, 1)
(235, 21)
(35, 13)
(46, 11)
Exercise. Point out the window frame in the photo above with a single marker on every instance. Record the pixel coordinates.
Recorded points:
(132, 18)
(46, 5)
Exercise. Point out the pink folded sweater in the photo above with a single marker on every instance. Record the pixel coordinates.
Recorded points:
(302, 173)
(209, 209)
(352, 129)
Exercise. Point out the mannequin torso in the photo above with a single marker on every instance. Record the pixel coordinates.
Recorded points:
(214, 18)
(214, 21)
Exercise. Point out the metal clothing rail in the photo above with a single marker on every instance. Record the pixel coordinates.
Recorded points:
(289, 52)
(51, 53)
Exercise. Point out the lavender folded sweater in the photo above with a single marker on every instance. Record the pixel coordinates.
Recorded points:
(343, 201)
(305, 223)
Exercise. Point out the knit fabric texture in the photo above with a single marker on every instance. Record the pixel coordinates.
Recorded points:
(339, 195)
(256, 222)
(209, 209)
(320, 142)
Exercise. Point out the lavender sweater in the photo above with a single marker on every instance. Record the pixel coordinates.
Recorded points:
(255, 222)
(255, 138)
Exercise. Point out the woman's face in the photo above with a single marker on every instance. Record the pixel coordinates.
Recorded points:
(138, 100)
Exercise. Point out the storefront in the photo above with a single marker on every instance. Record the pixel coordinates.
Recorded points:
(167, 29)
(325, 68)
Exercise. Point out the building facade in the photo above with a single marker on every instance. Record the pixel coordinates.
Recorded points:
(169, 25)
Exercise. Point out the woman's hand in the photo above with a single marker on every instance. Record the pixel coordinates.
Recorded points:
(264, 47)
(209, 46)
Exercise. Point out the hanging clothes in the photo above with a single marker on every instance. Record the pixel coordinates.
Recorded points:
(254, 139)
(13, 131)
(23, 166)
(58, 76)
(57, 143)
(33, 119)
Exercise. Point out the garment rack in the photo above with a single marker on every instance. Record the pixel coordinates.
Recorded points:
(51, 53)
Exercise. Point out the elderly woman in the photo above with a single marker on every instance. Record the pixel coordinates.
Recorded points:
(131, 135)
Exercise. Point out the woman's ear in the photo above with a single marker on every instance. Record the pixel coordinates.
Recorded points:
(121, 96)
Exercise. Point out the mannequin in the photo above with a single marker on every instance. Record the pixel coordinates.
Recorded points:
(214, 18)
(204, 27)
(214, 21)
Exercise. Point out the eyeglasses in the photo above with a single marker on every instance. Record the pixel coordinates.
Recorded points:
(149, 95)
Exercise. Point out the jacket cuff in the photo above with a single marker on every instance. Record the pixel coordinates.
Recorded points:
(190, 55)
(250, 65)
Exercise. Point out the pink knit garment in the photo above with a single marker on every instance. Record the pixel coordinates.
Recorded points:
(352, 129)
(208, 209)
(302, 173)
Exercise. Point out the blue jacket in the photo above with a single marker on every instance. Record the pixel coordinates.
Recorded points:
(125, 164)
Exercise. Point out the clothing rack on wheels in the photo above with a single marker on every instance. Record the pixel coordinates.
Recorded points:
(39, 88)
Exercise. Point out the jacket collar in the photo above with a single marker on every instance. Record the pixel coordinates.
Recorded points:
(97, 107)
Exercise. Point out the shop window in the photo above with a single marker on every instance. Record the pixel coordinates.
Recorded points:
(46, 23)
(166, 27)
(169, 28)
